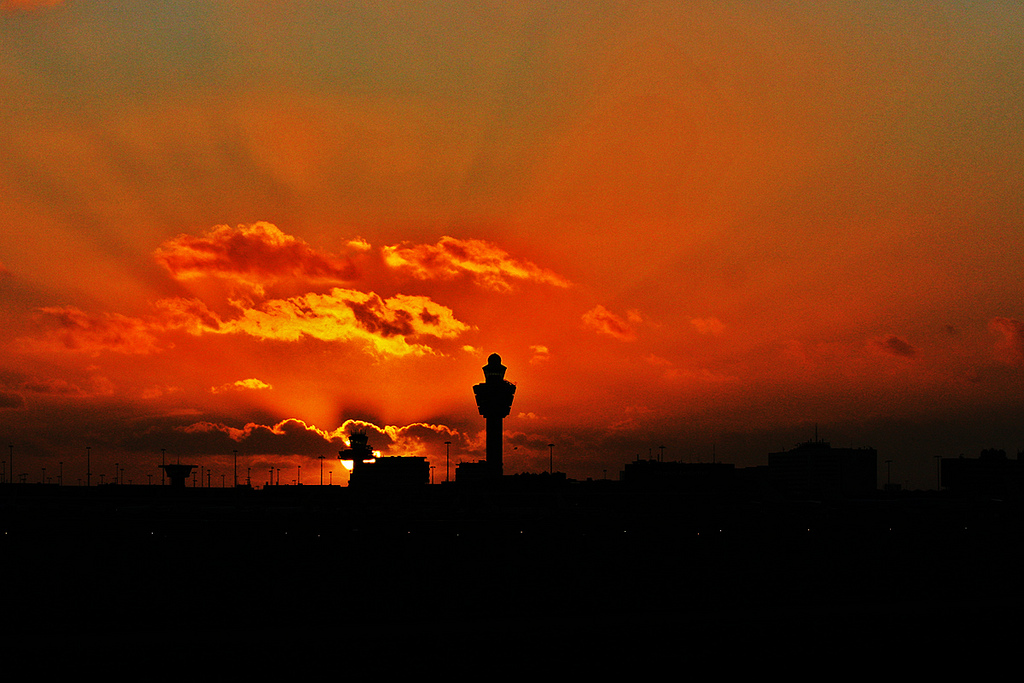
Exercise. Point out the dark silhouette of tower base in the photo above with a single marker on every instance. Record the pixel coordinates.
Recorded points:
(178, 474)
(494, 400)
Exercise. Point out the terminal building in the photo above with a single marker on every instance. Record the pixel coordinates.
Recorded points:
(990, 474)
(815, 470)
(370, 471)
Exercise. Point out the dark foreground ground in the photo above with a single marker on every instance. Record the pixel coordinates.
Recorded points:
(241, 565)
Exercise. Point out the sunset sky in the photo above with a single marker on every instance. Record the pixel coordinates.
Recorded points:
(708, 226)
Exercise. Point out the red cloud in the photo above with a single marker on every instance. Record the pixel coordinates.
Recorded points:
(255, 255)
(11, 400)
(1010, 347)
(604, 321)
(486, 263)
(894, 346)
(76, 330)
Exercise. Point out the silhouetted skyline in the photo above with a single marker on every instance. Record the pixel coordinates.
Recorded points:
(703, 227)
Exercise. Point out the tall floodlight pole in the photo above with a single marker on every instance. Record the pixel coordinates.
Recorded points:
(494, 400)
(321, 469)
(163, 461)
(88, 465)
(236, 467)
(551, 458)
(447, 454)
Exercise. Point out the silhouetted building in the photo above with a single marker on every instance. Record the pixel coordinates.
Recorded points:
(178, 473)
(469, 472)
(990, 474)
(816, 470)
(696, 478)
(494, 400)
(370, 471)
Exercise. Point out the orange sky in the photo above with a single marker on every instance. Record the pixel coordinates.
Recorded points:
(255, 226)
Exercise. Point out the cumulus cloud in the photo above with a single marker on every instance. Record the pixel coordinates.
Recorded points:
(393, 326)
(255, 255)
(894, 346)
(540, 353)
(487, 264)
(421, 439)
(251, 384)
(287, 437)
(385, 325)
(296, 437)
(601, 320)
(1010, 346)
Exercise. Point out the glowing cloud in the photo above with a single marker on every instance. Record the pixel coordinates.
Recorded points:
(288, 437)
(604, 321)
(412, 439)
(487, 264)
(540, 353)
(345, 314)
(241, 385)
(254, 255)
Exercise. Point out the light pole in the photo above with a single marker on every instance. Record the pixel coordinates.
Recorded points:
(236, 467)
(163, 461)
(551, 458)
(88, 465)
(447, 454)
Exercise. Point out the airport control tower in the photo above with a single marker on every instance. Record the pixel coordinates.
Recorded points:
(494, 400)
